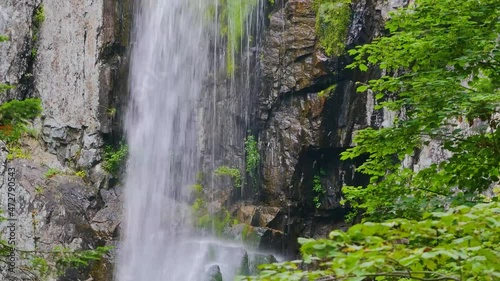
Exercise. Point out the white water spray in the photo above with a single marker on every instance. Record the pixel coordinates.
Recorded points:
(169, 63)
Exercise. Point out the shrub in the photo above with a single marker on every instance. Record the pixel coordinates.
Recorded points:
(51, 173)
(318, 191)
(231, 172)
(253, 156)
(114, 158)
(15, 114)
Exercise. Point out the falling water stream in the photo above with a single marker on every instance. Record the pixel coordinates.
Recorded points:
(169, 64)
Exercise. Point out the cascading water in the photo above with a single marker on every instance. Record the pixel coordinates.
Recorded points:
(169, 64)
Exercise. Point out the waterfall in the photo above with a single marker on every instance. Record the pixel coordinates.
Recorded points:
(170, 63)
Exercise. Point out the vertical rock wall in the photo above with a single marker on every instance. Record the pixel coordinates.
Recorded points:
(76, 62)
(308, 114)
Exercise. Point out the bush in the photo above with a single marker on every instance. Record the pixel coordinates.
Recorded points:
(460, 244)
(15, 114)
(231, 172)
(114, 158)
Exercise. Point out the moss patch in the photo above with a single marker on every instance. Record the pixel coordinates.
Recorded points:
(332, 23)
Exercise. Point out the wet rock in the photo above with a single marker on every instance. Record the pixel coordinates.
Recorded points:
(214, 274)
(256, 259)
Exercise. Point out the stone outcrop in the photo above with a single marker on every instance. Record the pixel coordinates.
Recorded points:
(308, 113)
(76, 62)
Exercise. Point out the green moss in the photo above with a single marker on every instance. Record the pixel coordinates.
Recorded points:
(319, 191)
(232, 18)
(16, 152)
(332, 23)
(231, 172)
(39, 17)
(249, 236)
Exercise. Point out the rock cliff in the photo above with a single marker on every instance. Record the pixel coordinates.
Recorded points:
(73, 56)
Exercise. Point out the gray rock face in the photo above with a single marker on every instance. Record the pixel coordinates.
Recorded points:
(16, 64)
(76, 63)
(61, 210)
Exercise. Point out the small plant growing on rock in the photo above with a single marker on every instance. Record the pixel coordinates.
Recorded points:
(231, 172)
(51, 173)
(16, 152)
(14, 116)
(39, 16)
(114, 158)
(111, 112)
(82, 174)
(332, 24)
(253, 156)
(38, 189)
(38, 19)
(318, 191)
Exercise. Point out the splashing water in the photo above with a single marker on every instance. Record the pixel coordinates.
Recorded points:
(169, 64)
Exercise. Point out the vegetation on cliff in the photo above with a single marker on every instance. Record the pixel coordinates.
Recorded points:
(448, 88)
(233, 15)
(15, 116)
(440, 66)
(332, 24)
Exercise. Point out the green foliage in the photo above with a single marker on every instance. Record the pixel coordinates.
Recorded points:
(447, 56)
(209, 220)
(38, 189)
(215, 222)
(51, 173)
(66, 258)
(327, 92)
(114, 159)
(232, 18)
(14, 115)
(4, 87)
(111, 112)
(16, 152)
(460, 244)
(38, 20)
(231, 172)
(252, 153)
(39, 17)
(332, 23)
(82, 174)
(318, 191)
(40, 265)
